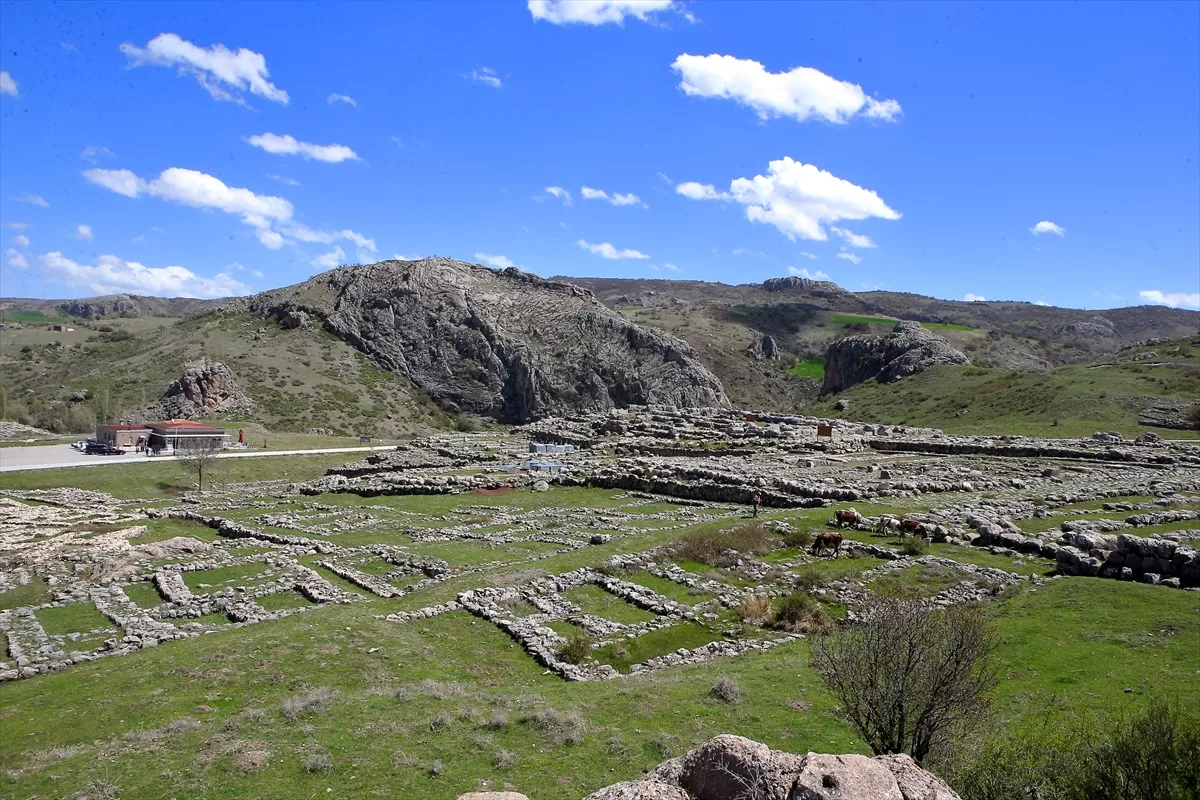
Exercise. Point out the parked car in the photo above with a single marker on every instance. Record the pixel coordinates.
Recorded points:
(80, 446)
(102, 449)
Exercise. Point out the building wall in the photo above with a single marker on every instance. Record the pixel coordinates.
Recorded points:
(125, 439)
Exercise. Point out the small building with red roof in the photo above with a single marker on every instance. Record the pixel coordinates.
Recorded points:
(184, 434)
(123, 436)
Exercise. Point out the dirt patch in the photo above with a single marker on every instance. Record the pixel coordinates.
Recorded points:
(249, 761)
(497, 490)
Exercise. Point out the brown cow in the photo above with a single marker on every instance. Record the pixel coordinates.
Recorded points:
(826, 540)
(910, 525)
(848, 516)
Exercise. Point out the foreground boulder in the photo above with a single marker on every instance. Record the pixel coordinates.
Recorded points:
(729, 767)
(908, 349)
(502, 343)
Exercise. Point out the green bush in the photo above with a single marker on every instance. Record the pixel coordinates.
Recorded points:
(800, 612)
(714, 547)
(576, 649)
(798, 538)
(913, 546)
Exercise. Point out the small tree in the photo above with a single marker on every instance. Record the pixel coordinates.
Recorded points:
(909, 676)
(199, 460)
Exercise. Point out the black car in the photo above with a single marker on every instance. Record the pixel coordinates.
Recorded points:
(102, 449)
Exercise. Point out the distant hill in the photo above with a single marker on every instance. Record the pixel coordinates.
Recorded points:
(402, 346)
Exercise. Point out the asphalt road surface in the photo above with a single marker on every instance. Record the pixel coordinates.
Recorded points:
(57, 456)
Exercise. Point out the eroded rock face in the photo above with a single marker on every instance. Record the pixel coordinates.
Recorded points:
(206, 387)
(91, 308)
(908, 349)
(732, 766)
(505, 343)
(806, 286)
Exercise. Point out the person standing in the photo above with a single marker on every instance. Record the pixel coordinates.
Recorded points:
(757, 502)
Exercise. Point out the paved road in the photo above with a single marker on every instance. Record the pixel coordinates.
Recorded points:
(57, 456)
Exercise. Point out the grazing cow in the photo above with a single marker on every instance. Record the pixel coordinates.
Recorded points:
(848, 516)
(826, 540)
(911, 526)
(887, 525)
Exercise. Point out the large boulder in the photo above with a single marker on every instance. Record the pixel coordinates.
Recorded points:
(908, 349)
(502, 343)
(728, 767)
(205, 388)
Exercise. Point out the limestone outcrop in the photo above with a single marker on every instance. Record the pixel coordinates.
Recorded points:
(502, 343)
(908, 349)
(205, 388)
(732, 766)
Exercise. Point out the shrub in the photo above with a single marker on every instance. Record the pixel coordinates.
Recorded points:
(440, 721)
(576, 649)
(809, 578)
(933, 685)
(800, 612)
(504, 759)
(317, 762)
(316, 701)
(798, 538)
(559, 727)
(913, 546)
(722, 548)
(756, 608)
(664, 743)
(726, 690)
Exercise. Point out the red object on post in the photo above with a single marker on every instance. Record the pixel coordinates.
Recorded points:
(241, 436)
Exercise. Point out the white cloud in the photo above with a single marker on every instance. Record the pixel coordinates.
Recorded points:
(671, 267)
(700, 191)
(8, 85)
(289, 146)
(798, 199)
(560, 193)
(269, 238)
(606, 250)
(1045, 226)
(616, 199)
(91, 153)
(197, 189)
(19, 226)
(597, 12)
(400, 257)
(809, 256)
(21, 240)
(801, 93)
(974, 298)
(15, 259)
(804, 273)
(32, 199)
(334, 258)
(285, 180)
(218, 69)
(740, 251)
(257, 273)
(853, 239)
(487, 76)
(1174, 299)
(1040, 303)
(112, 275)
(499, 262)
(83, 233)
(303, 233)
(341, 98)
(851, 257)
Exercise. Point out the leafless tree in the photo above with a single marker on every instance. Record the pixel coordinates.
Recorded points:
(909, 676)
(199, 460)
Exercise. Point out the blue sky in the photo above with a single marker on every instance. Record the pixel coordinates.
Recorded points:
(1040, 152)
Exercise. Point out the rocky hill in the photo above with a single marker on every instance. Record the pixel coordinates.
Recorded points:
(907, 350)
(501, 343)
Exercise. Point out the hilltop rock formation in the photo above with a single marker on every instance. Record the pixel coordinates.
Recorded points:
(762, 346)
(806, 286)
(908, 349)
(502, 343)
(114, 306)
(206, 387)
(732, 766)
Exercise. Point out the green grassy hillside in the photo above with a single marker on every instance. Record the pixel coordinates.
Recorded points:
(1068, 401)
(298, 379)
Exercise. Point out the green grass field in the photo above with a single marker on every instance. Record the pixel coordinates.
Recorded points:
(809, 368)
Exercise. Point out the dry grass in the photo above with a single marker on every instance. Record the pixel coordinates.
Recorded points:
(558, 727)
(726, 690)
(756, 608)
(315, 701)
